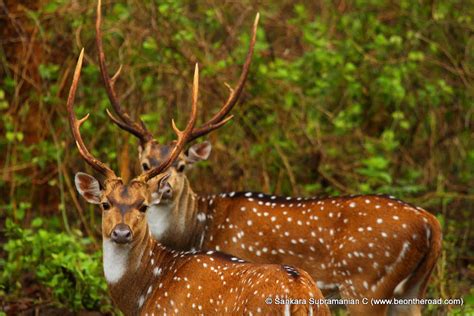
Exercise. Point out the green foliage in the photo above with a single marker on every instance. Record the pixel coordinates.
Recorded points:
(57, 261)
(368, 96)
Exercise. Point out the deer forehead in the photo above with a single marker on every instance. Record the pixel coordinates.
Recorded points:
(127, 197)
(156, 153)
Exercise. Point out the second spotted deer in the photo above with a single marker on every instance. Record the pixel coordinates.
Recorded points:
(365, 246)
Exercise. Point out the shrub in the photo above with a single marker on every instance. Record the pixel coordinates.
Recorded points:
(63, 264)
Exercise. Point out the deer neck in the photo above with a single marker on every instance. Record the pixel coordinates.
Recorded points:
(131, 271)
(173, 223)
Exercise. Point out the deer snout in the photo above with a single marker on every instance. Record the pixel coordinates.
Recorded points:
(167, 192)
(121, 234)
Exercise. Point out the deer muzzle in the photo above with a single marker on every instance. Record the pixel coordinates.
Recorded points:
(121, 234)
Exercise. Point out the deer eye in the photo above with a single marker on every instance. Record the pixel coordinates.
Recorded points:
(105, 206)
(181, 166)
(145, 166)
(143, 208)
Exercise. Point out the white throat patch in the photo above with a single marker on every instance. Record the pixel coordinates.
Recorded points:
(158, 218)
(115, 261)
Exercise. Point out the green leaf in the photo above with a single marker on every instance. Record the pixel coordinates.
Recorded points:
(377, 162)
(37, 222)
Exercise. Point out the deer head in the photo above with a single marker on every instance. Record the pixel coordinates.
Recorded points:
(151, 152)
(124, 205)
(120, 203)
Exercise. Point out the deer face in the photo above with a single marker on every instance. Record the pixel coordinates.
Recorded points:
(123, 206)
(152, 154)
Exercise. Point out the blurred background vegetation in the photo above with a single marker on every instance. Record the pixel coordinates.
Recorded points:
(364, 96)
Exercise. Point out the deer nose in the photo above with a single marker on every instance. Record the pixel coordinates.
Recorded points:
(121, 234)
(168, 192)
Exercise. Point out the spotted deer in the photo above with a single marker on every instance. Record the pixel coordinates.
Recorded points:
(365, 246)
(145, 277)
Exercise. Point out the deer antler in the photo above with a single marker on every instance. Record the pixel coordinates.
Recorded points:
(183, 136)
(220, 118)
(76, 124)
(125, 122)
(138, 129)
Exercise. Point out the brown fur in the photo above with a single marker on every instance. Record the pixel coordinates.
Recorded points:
(159, 280)
(313, 237)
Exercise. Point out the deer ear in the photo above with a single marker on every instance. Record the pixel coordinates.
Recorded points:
(198, 152)
(88, 187)
(164, 190)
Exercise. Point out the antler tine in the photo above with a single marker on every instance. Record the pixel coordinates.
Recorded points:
(220, 118)
(183, 136)
(76, 124)
(137, 129)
